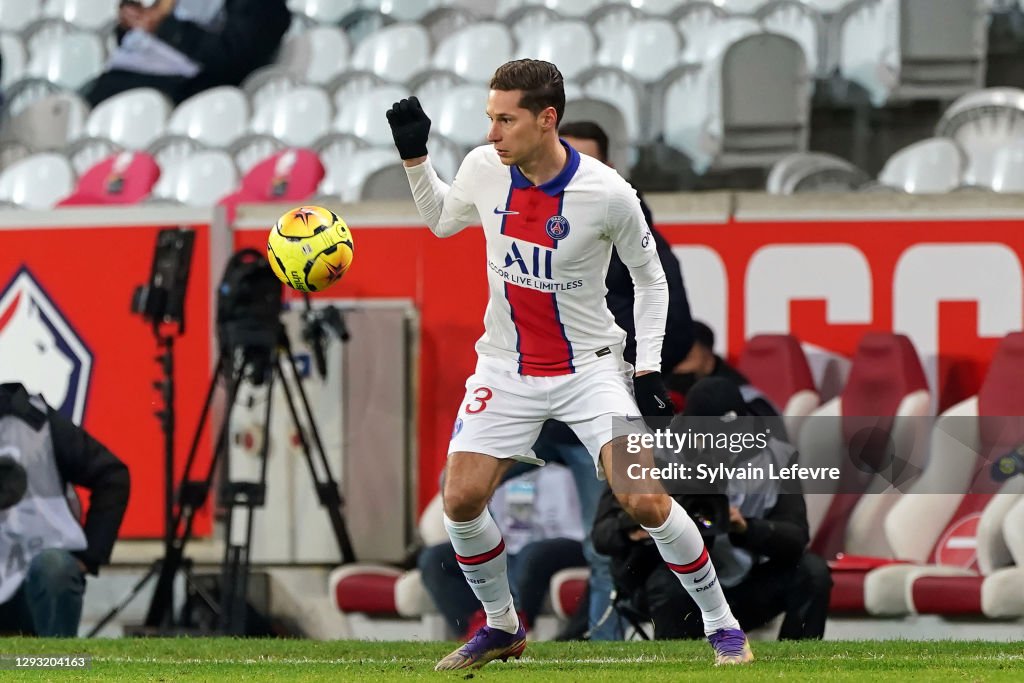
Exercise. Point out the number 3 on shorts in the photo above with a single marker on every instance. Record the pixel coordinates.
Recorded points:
(483, 395)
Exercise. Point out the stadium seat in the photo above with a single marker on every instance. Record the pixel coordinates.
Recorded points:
(395, 52)
(335, 151)
(647, 50)
(526, 21)
(444, 21)
(345, 178)
(250, 149)
(707, 30)
(89, 14)
(324, 11)
(364, 588)
(912, 49)
(200, 180)
(268, 84)
(387, 180)
(49, 122)
(215, 117)
(37, 182)
(363, 116)
(766, 101)
(655, 8)
(14, 59)
(1001, 596)
(568, 586)
(69, 58)
(742, 6)
(459, 115)
(16, 15)
(1007, 172)
(619, 90)
(570, 8)
(432, 86)
(290, 175)
(569, 44)
(932, 166)
(409, 10)
(84, 153)
(814, 172)
(776, 364)
(884, 394)
(12, 151)
(949, 523)
(132, 119)
(445, 156)
(475, 51)
(605, 113)
(296, 120)
(169, 149)
(316, 55)
(983, 123)
(802, 23)
(123, 178)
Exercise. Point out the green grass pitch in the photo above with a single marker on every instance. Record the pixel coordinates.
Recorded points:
(223, 660)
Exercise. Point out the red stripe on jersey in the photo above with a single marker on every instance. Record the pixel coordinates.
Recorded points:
(533, 207)
(544, 350)
(482, 557)
(692, 566)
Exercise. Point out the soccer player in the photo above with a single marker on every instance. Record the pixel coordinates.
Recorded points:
(550, 348)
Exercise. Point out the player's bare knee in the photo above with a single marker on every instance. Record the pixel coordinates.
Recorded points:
(464, 503)
(648, 509)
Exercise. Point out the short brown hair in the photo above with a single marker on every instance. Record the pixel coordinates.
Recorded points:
(541, 83)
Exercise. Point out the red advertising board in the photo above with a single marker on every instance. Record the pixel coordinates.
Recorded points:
(67, 331)
(954, 287)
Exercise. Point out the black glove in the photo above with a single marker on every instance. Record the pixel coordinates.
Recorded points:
(410, 127)
(652, 399)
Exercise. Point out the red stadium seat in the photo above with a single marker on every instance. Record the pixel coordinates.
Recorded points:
(365, 588)
(289, 175)
(950, 523)
(567, 590)
(124, 178)
(776, 364)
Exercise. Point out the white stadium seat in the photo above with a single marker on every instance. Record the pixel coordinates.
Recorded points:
(324, 11)
(70, 59)
(132, 119)
(365, 118)
(316, 55)
(460, 115)
(49, 122)
(932, 166)
(395, 52)
(1007, 172)
(982, 123)
(707, 31)
(800, 22)
(569, 44)
(527, 21)
(647, 51)
(15, 59)
(475, 51)
(296, 120)
(18, 14)
(655, 8)
(200, 180)
(215, 117)
(611, 21)
(90, 14)
(38, 181)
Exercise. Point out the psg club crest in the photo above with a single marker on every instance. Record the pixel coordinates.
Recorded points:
(40, 349)
(557, 227)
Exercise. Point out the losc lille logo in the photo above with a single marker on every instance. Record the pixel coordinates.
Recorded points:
(39, 348)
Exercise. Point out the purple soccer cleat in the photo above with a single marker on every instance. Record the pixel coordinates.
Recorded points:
(731, 646)
(488, 643)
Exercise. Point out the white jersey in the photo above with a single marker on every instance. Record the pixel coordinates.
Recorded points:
(548, 249)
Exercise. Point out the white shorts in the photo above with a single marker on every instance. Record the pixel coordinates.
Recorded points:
(503, 411)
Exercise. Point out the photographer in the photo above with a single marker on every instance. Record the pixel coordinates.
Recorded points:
(44, 551)
(757, 542)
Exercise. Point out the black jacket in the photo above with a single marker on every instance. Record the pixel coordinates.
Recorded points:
(84, 461)
(678, 325)
(781, 535)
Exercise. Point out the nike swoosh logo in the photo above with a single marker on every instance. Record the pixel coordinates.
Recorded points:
(661, 404)
(703, 577)
(503, 212)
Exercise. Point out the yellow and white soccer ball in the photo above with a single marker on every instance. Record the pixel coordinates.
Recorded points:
(310, 248)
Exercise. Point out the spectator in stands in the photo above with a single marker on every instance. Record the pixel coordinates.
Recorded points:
(45, 552)
(702, 361)
(182, 47)
(558, 443)
(539, 517)
(762, 561)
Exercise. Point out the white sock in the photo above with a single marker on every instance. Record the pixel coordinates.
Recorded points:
(684, 552)
(480, 552)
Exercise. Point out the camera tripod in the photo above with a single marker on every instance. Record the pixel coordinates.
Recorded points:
(248, 353)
